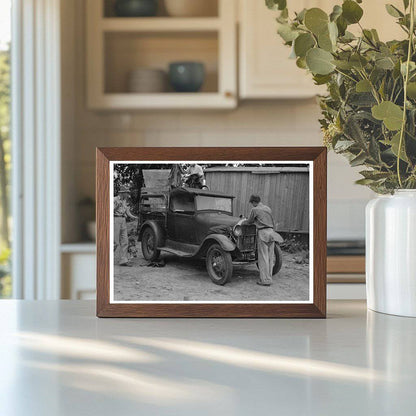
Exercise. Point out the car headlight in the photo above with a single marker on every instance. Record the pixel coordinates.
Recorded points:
(238, 230)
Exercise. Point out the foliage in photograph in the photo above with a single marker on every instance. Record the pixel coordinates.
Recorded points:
(369, 112)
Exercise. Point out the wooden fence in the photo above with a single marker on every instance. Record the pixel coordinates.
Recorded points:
(284, 189)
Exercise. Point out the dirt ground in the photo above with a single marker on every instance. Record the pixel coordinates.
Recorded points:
(187, 280)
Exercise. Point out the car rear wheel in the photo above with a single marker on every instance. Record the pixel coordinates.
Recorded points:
(278, 260)
(149, 245)
(219, 264)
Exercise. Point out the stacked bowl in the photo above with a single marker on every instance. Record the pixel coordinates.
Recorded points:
(147, 80)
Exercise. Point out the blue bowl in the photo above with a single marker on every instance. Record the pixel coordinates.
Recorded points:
(186, 76)
(135, 8)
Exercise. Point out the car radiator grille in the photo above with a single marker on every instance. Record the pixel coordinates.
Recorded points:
(247, 241)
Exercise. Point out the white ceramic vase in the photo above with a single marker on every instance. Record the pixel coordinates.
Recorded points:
(391, 253)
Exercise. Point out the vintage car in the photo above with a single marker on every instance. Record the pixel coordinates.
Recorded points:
(198, 223)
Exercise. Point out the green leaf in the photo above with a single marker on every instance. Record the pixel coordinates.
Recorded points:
(385, 63)
(283, 17)
(364, 181)
(406, 4)
(393, 11)
(348, 37)
(325, 43)
(342, 25)
(301, 63)
(336, 12)
(286, 32)
(333, 32)
(303, 43)
(301, 15)
(374, 150)
(351, 11)
(358, 61)
(368, 36)
(411, 90)
(394, 145)
(276, 4)
(354, 131)
(321, 79)
(343, 145)
(319, 61)
(412, 67)
(327, 40)
(343, 65)
(391, 114)
(374, 175)
(375, 35)
(363, 86)
(316, 20)
(358, 160)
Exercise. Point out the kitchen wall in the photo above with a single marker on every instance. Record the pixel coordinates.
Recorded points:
(253, 123)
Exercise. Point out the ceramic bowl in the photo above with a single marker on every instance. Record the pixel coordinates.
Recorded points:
(186, 76)
(147, 80)
(191, 8)
(135, 8)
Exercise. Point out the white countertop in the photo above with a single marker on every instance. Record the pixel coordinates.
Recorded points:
(56, 358)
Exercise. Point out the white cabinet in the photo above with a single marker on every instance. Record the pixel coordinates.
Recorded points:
(78, 263)
(264, 65)
(265, 70)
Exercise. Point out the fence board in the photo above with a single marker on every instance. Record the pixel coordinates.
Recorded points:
(286, 192)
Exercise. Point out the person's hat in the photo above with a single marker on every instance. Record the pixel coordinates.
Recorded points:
(123, 189)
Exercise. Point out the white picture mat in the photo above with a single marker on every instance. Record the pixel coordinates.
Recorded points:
(311, 230)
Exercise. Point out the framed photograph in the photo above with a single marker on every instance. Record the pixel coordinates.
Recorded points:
(211, 232)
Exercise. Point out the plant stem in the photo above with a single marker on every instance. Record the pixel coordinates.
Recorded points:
(373, 89)
(345, 75)
(406, 80)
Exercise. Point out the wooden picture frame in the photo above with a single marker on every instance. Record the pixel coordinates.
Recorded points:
(316, 308)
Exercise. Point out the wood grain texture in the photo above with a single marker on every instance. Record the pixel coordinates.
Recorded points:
(317, 309)
(346, 264)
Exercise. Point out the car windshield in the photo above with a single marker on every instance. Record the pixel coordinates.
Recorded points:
(214, 203)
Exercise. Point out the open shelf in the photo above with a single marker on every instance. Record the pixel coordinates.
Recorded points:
(116, 46)
(160, 24)
(194, 101)
(211, 9)
(127, 51)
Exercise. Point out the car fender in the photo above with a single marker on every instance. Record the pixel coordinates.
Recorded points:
(156, 228)
(221, 239)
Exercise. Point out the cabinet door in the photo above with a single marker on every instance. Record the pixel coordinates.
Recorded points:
(265, 68)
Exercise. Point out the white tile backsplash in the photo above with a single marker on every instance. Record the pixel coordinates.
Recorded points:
(258, 123)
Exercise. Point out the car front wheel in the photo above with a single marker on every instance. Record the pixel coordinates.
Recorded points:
(219, 264)
(149, 245)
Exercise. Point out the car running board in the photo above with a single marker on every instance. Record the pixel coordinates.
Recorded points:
(178, 253)
(180, 249)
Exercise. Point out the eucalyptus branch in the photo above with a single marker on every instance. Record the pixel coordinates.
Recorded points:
(365, 62)
(405, 81)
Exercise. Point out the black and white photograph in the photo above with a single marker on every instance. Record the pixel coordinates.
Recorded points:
(211, 232)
